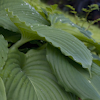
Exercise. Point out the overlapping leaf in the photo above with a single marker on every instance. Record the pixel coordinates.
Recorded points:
(58, 38)
(72, 77)
(2, 90)
(54, 18)
(9, 35)
(24, 10)
(63, 23)
(3, 51)
(28, 77)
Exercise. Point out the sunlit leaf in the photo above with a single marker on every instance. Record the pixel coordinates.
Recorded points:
(71, 7)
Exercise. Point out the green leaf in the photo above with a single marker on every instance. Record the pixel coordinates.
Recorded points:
(73, 77)
(74, 12)
(94, 7)
(3, 51)
(54, 7)
(28, 77)
(85, 10)
(23, 10)
(63, 23)
(71, 7)
(54, 18)
(96, 59)
(67, 43)
(61, 20)
(2, 90)
(9, 35)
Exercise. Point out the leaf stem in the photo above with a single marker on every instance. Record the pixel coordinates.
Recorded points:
(19, 43)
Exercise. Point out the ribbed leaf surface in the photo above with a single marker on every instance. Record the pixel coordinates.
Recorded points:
(23, 10)
(67, 43)
(3, 51)
(28, 77)
(72, 77)
(2, 90)
(61, 18)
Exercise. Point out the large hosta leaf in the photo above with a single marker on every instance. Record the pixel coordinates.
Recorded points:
(68, 28)
(63, 23)
(67, 43)
(2, 90)
(3, 51)
(28, 77)
(55, 18)
(72, 77)
(23, 10)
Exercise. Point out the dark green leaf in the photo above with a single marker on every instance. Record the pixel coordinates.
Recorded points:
(73, 77)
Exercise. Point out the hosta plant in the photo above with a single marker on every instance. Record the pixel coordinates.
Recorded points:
(63, 66)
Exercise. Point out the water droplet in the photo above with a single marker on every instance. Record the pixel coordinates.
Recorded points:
(26, 14)
(41, 89)
(26, 3)
(72, 24)
(60, 20)
(33, 13)
(31, 26)
(6, 14)
(89, 81)
(22, 4)
(30, 6)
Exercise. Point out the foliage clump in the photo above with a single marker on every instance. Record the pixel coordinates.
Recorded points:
(62, 62)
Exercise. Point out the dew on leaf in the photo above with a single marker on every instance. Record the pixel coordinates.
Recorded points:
(89, 81)
(6, 14)
(26, 3)
(22, 4)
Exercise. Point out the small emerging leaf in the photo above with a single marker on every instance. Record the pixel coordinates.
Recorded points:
(71, 7)
(54, 7)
